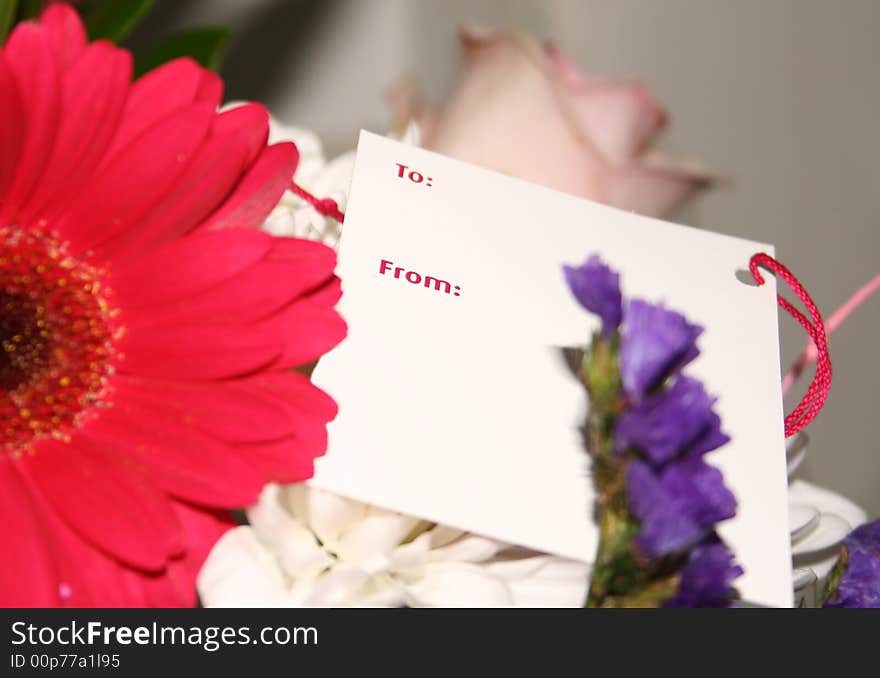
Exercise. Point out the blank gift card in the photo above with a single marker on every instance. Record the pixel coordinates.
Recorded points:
(456, 402)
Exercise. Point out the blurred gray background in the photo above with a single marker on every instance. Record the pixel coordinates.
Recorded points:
(780, 96)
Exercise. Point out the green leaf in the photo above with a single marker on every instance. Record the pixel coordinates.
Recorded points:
(114, 19)
(7, 16)
(204, 45)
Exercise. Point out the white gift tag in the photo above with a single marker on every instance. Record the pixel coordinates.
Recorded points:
(456, 404)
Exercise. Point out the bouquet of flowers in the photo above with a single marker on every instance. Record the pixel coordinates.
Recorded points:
(167, 280)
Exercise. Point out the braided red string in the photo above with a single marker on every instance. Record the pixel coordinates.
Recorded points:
(816, 394)
(325, 206)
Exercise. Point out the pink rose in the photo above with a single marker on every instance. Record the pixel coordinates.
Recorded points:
(528, 111)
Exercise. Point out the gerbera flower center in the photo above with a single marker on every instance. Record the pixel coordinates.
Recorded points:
(56, 338)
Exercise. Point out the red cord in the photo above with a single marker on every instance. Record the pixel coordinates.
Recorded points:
(325, 206)
(815, 396)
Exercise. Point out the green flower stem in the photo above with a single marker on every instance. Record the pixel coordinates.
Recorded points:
(832, 582)
(614, 569)
(619, 578)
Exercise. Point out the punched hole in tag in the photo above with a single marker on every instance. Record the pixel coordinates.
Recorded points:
(745, 277)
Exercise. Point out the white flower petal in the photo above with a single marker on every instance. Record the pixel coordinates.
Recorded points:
(311, 152)
(339, 587)
(410, 559)
(240, 572)
(459, 585)
(379, 534)
(298, 551)
(307, 223)
(382, 590)
(269, 517)
(328, 515)
(468, 548)
(544, 581)
(539, 592)
(334, 179)
(280, 222)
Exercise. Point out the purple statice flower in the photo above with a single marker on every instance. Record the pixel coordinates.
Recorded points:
(860, 583)
(597, 289)
(677, 506)
(662, 423)
(654, 342)
(670, 423)
(707, 577)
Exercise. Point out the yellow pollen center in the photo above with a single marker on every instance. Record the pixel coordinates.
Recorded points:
(56, 338)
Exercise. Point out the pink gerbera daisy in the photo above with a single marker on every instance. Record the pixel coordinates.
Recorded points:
(148, 327)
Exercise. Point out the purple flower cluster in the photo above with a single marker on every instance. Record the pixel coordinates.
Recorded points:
(860, 583)
(707, 577)
(666, 429)
(678, 505)
(597, 289)
(675, 494)
(654, 343)
(678, 422)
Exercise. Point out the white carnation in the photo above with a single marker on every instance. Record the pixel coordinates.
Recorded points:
(307, 547)
(294, 216)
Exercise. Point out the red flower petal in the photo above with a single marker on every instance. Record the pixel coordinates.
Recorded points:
(135, 179)
(27, 575)
(263, 407)
(259, 191)
(93, 93)
(204, 528)
(170, 88)
(148, 182)
(182, 460)
(175, 587)
(229, 411)
(299, 392)
(202, 186)
(299, 250)
(197, 352)
(252, 295)
(309, 409)
(287, 460)
(30, 59)
(307, 332)
(116, 508)
(11, 127)
(67, 36)
(188, 266)
(88, 577)
(85, 576)
(327, 295)
(251, 120)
